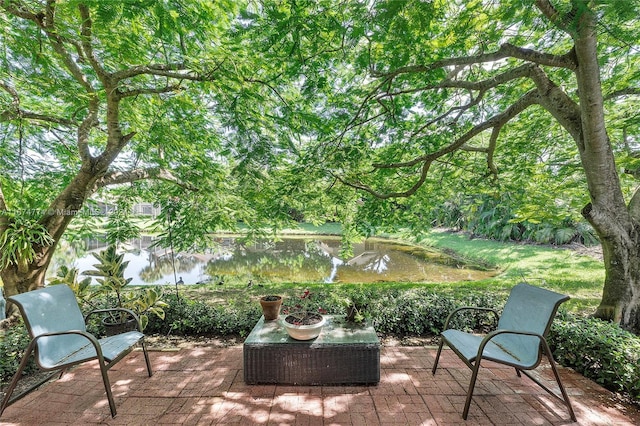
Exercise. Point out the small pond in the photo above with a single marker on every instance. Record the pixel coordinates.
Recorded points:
(294, 259)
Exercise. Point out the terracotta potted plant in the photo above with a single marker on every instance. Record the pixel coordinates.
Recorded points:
(271, 305)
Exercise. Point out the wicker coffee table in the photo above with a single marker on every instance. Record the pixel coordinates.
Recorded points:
(343, 354)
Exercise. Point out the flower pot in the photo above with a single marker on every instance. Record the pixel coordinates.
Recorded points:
(114, 328)
(306, 326)
(271, 307)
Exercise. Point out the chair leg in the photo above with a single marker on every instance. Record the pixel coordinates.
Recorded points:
(146, 358)
(16, 377)
(565, 397)
(435, 364)
(107, 386)
(472, 385)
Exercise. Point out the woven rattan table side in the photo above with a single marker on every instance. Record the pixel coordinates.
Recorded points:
(343, 354)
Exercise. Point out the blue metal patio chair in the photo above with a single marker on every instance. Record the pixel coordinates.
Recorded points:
(60, 339)
(518, 341)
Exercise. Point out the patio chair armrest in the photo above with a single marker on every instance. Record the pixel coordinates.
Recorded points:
(129, 312)
(468, 308)
(90, 337)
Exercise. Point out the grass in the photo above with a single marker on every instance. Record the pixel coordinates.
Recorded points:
(559, 269)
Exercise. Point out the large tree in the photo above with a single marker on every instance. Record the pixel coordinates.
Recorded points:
(169, 102)
(449, 81)
(99, 94)
(401, 97)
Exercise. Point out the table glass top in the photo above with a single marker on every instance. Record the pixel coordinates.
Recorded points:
(336, 331)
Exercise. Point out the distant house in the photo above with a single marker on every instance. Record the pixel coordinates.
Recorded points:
(101, 208)
(145, 209)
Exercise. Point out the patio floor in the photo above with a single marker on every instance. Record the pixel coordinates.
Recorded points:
(204, 385)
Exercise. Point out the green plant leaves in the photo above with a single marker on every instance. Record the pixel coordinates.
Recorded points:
(20, 240)
(599, 350)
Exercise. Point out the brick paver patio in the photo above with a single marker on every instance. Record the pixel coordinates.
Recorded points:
(202, 386)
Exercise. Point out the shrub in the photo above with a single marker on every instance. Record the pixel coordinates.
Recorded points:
(420, 312)
(599, 350)
(13, 343)
(197, 318)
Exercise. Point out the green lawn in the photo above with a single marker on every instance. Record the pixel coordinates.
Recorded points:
(565, 270)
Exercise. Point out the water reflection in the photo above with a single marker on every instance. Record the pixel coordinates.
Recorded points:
(295, 259)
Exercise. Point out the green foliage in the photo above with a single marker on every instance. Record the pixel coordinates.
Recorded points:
(357, 304)
(120, 228)
(110, 273)
(503, 218)
(82, 289)
(392, 311)
(19, 240)
(145, 302)
(13, 343)
(423, 312)
(189, 317)
(599, 350)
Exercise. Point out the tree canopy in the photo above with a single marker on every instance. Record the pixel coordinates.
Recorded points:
(495, 116)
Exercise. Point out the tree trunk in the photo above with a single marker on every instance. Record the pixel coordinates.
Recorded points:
(608, 213)
(56, 219)
(621, 294)
(16, 282)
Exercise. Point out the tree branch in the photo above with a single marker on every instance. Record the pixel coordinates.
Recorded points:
(57, 42)
(273, 89)
(424, 170)
(481, 86)
(546, 93)
(177, 70)
(552, 14)
(558, 103)
(493, 142)
(129, 176)
(20, 9)
(628, 91)
(116, 142)
(16, 112)
(148, 91)
(84, 131)
(506, 50)
(15, 103)
(516, 108)
(87, 48)
(496, 123)
(634, 206)
(567, 60)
